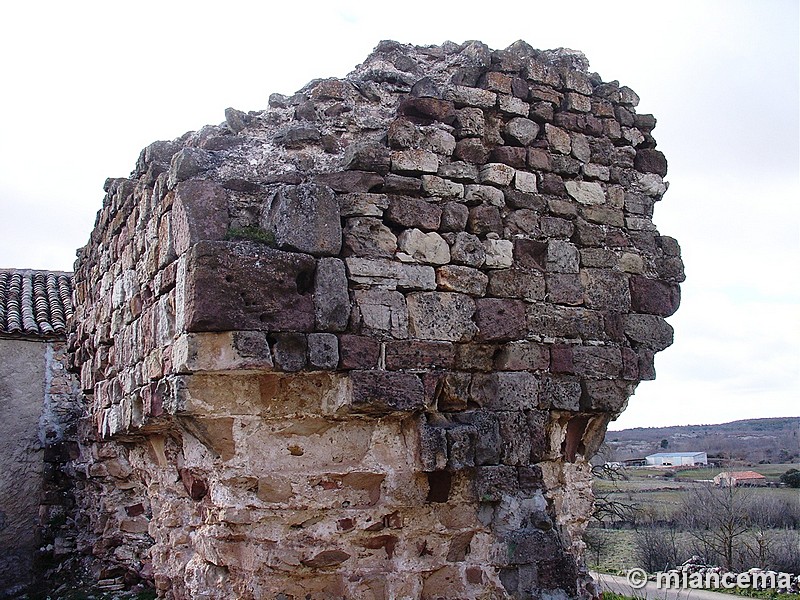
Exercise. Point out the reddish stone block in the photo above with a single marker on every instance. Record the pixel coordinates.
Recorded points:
(650, 160)
(509, 155)
(500, 319)
(350, 181)
(380, 393)
(200, 212)
(654, 296)
(427, 110)
(358, 352)
(561, 359)
(414, 354)
(248, 286)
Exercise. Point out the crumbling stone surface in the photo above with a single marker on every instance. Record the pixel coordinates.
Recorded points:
(362, 344)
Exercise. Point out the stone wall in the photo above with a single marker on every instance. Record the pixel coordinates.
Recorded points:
(361, 344)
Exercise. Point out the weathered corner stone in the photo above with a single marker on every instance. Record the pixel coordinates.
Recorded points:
(305, 218)
(381, 393)
(597, 361)
(500, 319)
(654, 296)
(650, 331)
(331, 297)
(561, 393)
(226, 351)
(607, 395)
(200, 212)
(650, 160)
(247, 286)
(441, 316)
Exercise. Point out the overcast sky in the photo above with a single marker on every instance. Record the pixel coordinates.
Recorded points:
(86, 85)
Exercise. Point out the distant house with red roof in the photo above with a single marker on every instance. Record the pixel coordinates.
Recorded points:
(740, 478)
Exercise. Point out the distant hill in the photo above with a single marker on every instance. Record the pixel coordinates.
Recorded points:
(750, 441)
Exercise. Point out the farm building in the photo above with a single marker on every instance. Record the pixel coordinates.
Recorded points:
(676, 459)
(739, 478)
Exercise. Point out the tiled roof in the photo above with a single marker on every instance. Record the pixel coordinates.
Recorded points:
(35, 303)
(744, 475)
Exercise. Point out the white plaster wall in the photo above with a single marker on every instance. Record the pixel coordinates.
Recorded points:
(22, 385)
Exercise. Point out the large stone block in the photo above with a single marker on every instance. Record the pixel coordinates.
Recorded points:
(605, 289)
(441, 316)
(305, 218)
(368, 237)
(380, 393)
(199, 212)
(415, 354)
(507, 390)
(650, 331)
(381, 313)
(500, 319)
(413, 212)
(247, 286)
(391, 275)
(654, 296)
(331, 297)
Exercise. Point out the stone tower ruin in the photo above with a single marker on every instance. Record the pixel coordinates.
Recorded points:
(362, 344)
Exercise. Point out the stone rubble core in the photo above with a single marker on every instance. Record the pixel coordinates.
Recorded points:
(363, 343)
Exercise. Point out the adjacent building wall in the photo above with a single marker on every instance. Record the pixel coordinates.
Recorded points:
(22, 385)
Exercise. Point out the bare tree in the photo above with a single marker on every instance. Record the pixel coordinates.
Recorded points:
(608, 508)
(717, 518)
(597, 543)
(656, 548)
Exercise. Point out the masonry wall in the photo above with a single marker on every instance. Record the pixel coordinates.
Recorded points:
(362, 344)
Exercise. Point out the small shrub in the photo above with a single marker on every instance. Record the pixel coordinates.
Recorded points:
(251, 234)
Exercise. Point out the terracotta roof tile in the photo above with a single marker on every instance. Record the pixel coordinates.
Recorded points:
(36, 303)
